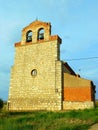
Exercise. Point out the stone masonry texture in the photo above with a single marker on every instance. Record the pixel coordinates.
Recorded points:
(37, 92)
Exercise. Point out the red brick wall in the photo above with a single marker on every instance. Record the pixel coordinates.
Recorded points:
(77, 94)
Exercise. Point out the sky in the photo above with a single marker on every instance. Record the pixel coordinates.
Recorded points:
(75, 21)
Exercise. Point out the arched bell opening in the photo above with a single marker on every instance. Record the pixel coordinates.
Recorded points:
(29, 36)
(40, 34)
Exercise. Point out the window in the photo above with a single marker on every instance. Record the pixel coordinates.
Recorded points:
(41, 34)
(29, 36)
(34, 72)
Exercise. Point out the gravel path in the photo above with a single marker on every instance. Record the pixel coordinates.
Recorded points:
(94, 127)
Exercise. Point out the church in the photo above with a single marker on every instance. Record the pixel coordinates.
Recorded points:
(40, 80)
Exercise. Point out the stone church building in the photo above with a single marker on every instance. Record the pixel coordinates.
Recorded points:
(40, 80)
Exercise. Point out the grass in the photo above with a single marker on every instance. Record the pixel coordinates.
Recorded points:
(47, 120)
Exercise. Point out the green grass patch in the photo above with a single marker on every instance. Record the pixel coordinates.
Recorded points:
(48, 120)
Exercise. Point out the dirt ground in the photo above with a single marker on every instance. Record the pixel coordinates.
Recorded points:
(94, 127)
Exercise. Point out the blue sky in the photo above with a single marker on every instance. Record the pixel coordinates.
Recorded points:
(75, 21)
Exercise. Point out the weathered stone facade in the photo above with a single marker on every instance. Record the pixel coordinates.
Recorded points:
(43, 90)
(38, 76)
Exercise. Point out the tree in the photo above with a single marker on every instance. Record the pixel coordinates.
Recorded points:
(1, 103)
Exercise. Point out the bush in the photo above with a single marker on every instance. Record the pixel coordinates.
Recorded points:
(1, 103)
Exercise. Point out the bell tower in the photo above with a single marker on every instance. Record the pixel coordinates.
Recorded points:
(36, 76)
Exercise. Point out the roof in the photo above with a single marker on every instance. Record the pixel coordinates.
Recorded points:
(69, 68)
(37, 23)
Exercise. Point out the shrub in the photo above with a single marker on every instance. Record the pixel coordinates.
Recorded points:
(1, 103)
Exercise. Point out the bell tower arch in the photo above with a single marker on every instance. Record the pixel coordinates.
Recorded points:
(39, 30)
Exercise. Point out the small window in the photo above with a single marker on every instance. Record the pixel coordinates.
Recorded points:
(34, 72)
(41, 34)
(29, 36)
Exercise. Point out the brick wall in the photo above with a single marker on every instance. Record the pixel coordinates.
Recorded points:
(77, 93)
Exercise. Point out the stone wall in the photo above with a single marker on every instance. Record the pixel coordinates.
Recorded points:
(40, 92)
(75, 105)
